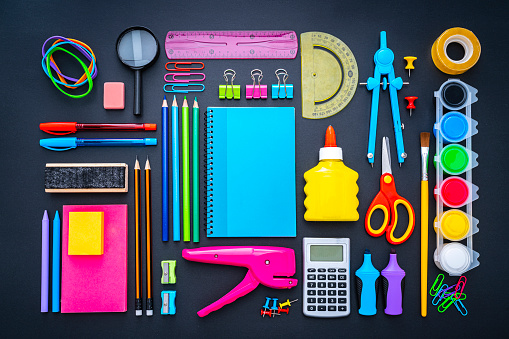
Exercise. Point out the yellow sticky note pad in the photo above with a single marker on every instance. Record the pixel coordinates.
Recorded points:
(86, 233)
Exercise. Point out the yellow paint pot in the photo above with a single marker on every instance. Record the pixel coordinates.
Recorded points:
(454, 225)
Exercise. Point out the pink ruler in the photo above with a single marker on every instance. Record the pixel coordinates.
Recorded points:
(231, 45)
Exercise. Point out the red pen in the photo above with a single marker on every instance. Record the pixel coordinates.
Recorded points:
(63, 128)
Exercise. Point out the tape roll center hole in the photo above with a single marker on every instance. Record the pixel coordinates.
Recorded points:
(468, 48)
(455, 51)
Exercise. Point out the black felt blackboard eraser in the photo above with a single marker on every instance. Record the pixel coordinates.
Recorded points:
(86, 178)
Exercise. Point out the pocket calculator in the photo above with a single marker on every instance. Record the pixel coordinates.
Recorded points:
(326, 277)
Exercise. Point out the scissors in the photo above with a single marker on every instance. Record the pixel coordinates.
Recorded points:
(387, 200)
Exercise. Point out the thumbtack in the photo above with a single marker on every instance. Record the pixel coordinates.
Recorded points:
(287, 303)
(410, 63)
(274, 305)
(283, 310)
(411, 103)
(264, 313)
(267, 301)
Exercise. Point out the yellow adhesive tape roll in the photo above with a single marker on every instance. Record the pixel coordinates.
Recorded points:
(467, 40)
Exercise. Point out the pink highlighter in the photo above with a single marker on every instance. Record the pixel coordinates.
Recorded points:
(269, 266)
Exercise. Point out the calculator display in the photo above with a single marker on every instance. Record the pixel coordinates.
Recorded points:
(326, 253)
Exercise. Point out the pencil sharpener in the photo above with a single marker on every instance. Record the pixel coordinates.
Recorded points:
(168, 302)
(168, 268)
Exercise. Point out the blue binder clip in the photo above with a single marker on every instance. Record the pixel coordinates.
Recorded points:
(174, 88)
(168, 304)
(285, 92)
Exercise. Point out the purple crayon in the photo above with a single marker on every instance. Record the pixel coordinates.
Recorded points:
(393, 286)
(45, 263)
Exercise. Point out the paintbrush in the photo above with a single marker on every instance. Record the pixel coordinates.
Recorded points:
(424, 222)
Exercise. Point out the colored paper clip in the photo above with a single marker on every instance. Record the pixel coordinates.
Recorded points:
(168, 302)
(229, 91)
(174, 85)
(256, 91)
(277, 93)
(460, 307)
(439, 295)
(168, 268)
(436, 285)
(175, 75)
(461, 284)
(183, 69)
(448, 302)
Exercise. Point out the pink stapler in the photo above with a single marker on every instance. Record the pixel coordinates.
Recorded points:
(269, 266)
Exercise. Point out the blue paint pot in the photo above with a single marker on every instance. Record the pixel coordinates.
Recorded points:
(454, 127)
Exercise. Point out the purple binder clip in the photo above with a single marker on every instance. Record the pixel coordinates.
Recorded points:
(256, 90)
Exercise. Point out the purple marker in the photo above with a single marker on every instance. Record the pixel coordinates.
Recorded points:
(45, 262)
(393, 286)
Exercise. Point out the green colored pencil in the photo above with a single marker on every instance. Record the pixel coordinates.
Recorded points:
(185, 172)
(196, 187)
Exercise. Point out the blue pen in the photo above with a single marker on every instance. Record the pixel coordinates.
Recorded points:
(164, 160)
(55, 277)
(64, 144)
(176, 164)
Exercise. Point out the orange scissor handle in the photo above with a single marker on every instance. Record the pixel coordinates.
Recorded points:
(183, 69)
(411, 222)
(379, 203)
(387, 200)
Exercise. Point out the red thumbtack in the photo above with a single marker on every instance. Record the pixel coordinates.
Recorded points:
(264, 313)
(283, 310)
(411, 103)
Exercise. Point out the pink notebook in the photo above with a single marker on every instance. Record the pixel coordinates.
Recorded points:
(96, 283)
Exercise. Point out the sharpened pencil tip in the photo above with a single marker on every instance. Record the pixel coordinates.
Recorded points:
(147, 164)
(45, 216)
(56, 215)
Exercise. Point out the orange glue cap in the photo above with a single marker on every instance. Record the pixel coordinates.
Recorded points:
(330, 151)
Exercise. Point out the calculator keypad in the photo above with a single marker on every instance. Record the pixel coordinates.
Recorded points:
(330, 289)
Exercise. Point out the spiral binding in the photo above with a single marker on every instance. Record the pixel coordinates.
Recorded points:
(209, 175)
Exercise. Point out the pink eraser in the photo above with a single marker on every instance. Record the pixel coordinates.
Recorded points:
(114, 95)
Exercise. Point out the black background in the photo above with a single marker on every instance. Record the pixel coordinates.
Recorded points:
(29, 98)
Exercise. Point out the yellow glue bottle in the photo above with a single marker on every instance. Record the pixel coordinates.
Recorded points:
(331, 187)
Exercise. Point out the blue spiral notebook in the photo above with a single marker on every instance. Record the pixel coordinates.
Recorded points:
(250, 159)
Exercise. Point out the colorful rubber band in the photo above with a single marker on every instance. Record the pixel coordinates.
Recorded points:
(48, 64)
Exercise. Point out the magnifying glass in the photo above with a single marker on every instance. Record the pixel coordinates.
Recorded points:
(137, 48)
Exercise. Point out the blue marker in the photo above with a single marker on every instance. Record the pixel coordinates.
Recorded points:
(176, 164)
(64, 144)
(367, 278)
(55, 277)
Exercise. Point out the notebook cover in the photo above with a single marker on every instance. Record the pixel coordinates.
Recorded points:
(96, 283)
(252, 172)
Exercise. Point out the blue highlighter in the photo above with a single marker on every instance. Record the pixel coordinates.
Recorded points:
(367, 282)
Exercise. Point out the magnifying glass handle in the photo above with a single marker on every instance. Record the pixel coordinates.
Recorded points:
(137, 92)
